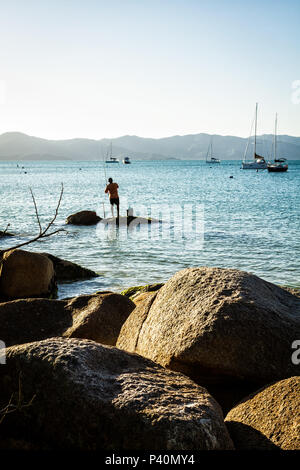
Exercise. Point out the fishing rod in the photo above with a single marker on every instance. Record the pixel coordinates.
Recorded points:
(105, 176)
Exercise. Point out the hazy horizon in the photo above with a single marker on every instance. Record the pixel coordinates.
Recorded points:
(144, 137)
(146, 68)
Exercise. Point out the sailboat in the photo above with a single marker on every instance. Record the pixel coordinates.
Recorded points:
(279, 164)
(258, 162)
(111, 159)
(209, 157)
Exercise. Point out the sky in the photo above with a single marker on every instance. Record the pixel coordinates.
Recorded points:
(96, 69)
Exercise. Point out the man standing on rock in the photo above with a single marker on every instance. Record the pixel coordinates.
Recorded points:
(112, 190)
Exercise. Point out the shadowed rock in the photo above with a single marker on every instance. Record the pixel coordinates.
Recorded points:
(25, 274)
(98, 317)
(68, 271)
(89, 396)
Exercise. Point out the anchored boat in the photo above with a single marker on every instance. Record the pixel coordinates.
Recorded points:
(279, 165)
(258, 162)
(209, 157)
(111, 159)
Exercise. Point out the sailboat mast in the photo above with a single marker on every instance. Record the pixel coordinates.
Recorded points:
(255, 131)
(275, 137)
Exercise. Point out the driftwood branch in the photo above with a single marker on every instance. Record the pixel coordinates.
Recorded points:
(43, 233)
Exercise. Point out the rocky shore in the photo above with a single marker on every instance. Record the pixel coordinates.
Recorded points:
(206, 361)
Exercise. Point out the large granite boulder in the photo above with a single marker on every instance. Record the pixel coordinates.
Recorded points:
(67, 271)
(268, 419)
(217, 326)
(25, 274)
(80, 395)
(83, 218)
(98, 317)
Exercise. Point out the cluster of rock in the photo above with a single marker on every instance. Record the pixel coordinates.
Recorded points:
(25, 274)
(104, 372)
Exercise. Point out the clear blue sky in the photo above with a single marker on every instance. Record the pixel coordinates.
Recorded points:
(93, 68)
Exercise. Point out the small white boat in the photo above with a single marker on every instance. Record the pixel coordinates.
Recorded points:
(258, 162)
(126, 161)
(112, 160)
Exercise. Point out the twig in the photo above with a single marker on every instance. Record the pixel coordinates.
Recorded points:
(36, 211)
(11, 408)
(42, 233)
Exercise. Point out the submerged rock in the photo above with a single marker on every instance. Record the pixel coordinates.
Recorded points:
(86, 396)
(25, 274)
(268, 419)
(98, 317)
(4, 233)
(83, 218)
(218, 326)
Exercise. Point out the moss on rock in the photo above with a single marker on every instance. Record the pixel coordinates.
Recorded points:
(131, 292)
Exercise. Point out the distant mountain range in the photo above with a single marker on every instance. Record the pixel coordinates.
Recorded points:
(17, 146)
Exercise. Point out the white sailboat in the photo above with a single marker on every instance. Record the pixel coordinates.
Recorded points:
(209, 157)
(279, 164)
(111, 159)
(258, 162)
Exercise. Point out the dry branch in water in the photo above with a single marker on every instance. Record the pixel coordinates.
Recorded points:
(43, 233)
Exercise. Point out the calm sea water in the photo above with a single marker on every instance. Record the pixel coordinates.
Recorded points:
(251, 221)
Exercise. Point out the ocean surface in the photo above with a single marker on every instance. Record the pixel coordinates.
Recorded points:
(212, 215)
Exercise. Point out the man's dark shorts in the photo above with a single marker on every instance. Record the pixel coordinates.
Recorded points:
(115, 201)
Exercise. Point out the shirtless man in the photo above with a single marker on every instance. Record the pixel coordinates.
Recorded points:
(112, 190)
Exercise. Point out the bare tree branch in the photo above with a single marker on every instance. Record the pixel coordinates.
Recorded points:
(36, 211)
(42, 233)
